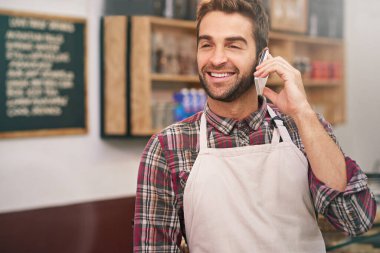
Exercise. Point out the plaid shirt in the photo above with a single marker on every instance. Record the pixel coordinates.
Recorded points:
(169, 156)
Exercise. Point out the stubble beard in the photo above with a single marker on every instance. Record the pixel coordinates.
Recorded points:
(237, 89)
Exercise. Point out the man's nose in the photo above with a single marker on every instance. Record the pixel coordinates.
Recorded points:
(218, 57)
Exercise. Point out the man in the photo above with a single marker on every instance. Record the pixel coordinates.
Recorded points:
(237, 177)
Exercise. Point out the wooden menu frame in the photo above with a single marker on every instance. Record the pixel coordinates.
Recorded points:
(74, 117)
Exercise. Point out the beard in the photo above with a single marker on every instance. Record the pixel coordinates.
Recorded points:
(236, 90)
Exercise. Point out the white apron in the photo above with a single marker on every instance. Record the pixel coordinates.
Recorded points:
(251, 199)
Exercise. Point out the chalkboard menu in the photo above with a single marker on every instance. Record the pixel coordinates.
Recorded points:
(42, 75)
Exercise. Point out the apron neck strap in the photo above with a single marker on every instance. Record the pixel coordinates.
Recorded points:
(279, 125)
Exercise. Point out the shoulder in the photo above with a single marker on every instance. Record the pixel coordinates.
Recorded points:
(181, 135)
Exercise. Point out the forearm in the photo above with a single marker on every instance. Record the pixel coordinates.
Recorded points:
(325, 157)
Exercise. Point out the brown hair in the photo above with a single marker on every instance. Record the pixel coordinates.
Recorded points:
(252, 9)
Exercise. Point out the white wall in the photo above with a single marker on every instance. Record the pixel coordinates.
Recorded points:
(362, 37)
(50, 171)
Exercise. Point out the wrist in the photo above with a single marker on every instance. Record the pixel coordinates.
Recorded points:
(303, 115)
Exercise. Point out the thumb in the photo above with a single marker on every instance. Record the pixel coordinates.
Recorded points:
(271, 95)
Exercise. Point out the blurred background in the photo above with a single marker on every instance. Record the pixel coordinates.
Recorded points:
(71, 188)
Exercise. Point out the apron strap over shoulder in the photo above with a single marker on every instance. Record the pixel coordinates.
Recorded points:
(203, 133)
(279, 124)
(275, 136)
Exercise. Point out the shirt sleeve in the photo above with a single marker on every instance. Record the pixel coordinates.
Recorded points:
(352, 211)
(156, 222)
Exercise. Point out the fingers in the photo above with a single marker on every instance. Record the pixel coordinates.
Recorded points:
(271, 95)
(272, 61)
(273, 66)
(277, 58)
(278, 65)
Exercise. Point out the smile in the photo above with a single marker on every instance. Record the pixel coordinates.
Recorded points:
(220, 75)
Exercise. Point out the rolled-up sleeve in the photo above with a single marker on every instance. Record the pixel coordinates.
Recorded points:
(156, 223)
(352, 211)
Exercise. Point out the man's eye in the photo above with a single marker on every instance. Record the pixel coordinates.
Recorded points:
(204, 45)
(234, 46)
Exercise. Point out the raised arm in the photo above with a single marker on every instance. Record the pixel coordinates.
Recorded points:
(338, 185)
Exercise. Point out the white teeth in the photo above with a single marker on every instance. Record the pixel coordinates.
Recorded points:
(219, 74)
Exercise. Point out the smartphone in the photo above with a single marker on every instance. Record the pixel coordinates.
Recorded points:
(263, 56)
(261, 82)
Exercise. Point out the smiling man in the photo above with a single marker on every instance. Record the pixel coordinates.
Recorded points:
(226, 60)
(246, 175)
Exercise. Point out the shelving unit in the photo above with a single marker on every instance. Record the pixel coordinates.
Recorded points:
(142, 78)
(326, 95)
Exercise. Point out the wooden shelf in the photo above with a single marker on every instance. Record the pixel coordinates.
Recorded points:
(172, 22)
(177, 23)
(305, 39)
(271, 81)
(308, 82)
(174, 78)
(322, 83)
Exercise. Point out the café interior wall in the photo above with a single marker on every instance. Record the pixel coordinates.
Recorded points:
(60, 170)
(360, 135)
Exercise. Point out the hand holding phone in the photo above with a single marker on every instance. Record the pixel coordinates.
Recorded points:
(261, 82)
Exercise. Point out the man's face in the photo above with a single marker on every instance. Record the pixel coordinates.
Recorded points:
(226, 55)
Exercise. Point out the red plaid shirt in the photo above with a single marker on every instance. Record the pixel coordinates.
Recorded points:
(169, 156)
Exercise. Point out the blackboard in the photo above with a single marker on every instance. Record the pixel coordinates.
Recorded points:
(42, 75)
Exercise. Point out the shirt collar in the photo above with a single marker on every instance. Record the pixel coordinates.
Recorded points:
(225, 125)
